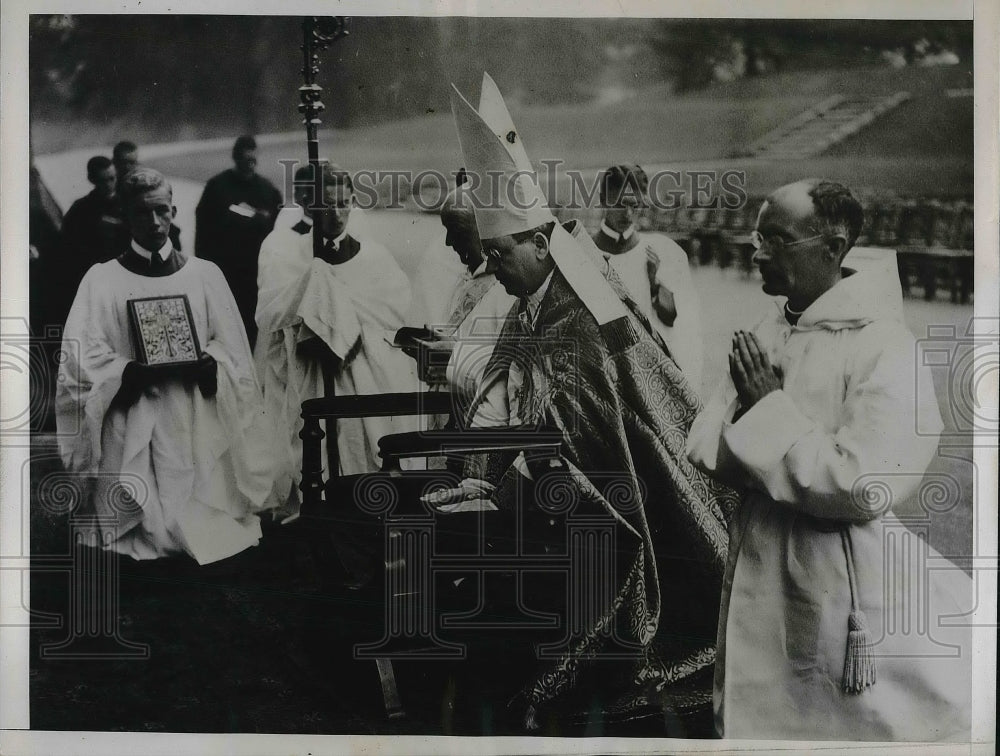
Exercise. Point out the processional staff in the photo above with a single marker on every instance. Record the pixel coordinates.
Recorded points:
(318, 33)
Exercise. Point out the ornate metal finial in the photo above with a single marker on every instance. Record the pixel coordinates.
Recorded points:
(327, 29)
(318, 33)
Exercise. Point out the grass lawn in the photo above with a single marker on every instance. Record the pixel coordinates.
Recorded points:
(434, 147)
(585, 136)
(923, 147)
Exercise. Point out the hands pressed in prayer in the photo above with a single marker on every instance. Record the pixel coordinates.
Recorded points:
(752, 372)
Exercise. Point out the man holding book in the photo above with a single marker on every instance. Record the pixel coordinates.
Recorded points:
(158, 407)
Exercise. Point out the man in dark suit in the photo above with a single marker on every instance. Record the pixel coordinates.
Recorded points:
(235, 213)
(92, 232)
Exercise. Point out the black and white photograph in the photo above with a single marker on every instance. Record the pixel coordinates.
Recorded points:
(499, 379)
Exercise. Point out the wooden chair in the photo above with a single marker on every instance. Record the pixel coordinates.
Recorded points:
(384, 511)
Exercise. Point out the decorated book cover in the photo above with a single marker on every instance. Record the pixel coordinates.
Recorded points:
(163, 330)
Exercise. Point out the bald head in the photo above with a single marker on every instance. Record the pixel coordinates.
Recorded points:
(807, 228)
(794, 198)
(826, 207)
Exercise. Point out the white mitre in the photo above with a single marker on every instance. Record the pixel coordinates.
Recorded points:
(508, 200)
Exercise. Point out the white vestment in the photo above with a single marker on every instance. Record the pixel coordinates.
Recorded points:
(355, 307)
(438, 275)
(175, 472)
(445, 288)
(684, 336)
(832, 451)
(475, 337)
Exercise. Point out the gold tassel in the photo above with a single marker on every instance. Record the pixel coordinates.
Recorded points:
(859, 661)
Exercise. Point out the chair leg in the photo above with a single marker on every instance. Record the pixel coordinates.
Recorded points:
(390, 693)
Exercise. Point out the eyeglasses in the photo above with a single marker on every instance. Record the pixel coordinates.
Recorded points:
(777, 243)
(492, 253)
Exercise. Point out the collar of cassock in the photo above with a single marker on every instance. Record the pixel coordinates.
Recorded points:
(163, 253)
(791, 316)
(163, 262)
(304, 226)
(334, 244)
(338, 251)
(610, 242)
(614, 235)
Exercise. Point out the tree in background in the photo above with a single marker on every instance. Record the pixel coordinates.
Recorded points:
(695, 52)
(174, 77)
(229, 74)
(160, 72)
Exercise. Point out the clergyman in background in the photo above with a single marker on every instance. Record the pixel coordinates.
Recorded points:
(92, 232)
(652, 266)
(337, 311)
(236, 212)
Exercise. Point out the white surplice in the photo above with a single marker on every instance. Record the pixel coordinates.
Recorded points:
(437, 278)
(674, 273)
(476, 336)
(468, 306)
(175, 472)
(834, 450)
(355, 307)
